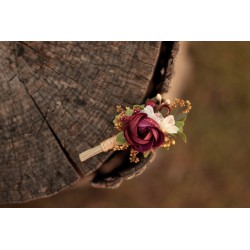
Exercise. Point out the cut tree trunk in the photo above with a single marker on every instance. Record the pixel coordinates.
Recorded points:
(58, 99)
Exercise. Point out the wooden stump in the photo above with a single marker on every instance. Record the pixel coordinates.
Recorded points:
(58, 99)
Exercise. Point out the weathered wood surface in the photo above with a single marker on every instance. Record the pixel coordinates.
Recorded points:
(58, 99)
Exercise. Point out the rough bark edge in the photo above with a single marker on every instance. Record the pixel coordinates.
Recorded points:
(164, 69)
(6, 205)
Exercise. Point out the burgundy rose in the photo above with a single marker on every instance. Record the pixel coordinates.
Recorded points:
(143, 133)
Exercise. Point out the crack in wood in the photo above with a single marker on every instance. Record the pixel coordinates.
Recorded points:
(66, 153)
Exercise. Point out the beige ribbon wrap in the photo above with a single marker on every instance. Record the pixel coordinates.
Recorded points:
(104, 146)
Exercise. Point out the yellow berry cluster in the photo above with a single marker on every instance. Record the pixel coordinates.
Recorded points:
(188, 107)
(119, 125)
(168, 142)
(119, 109)
(133, 156)
(120, 147)
(183, 104)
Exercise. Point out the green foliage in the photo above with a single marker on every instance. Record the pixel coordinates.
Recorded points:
(180, 117)
(146, 154)
(129, 112)
(120, 139)
(182, 135)
(179, 124)
(141, 107)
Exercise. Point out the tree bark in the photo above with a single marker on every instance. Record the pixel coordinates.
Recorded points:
(58, 99)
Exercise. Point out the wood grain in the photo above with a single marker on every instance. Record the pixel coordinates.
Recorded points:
(58, 99)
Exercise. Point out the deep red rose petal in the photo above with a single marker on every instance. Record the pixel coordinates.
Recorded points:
(148, 122)
(134, 121)
(130, 142)
(138, 140)
(150, 103)
(143, 133)
(148, 136)
(127, 137)
(155, 133)
(152, 122)
(160, 140)
(134, 138)
(144, 148)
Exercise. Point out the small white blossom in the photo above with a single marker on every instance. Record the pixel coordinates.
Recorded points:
(159, 98)
(167, 124)
(151, 114)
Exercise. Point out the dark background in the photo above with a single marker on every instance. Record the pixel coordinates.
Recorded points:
(213, 168)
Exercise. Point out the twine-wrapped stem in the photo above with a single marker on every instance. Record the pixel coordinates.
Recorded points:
(104, 146)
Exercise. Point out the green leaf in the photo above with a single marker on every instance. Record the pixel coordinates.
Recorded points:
(183, 136)
(179, 124)
(129, 112)
(141, 107)
(180, 130)
(180, 117)
(120, 139)
(145, 154)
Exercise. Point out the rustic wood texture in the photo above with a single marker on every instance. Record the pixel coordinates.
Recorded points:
(58, 99)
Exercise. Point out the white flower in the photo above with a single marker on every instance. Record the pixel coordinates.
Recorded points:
(151, 114)
(159, 98)
(167, 124)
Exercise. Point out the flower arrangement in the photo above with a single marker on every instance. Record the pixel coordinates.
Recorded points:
(144, 128)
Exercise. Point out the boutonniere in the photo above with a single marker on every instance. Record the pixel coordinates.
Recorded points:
(144, 128)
